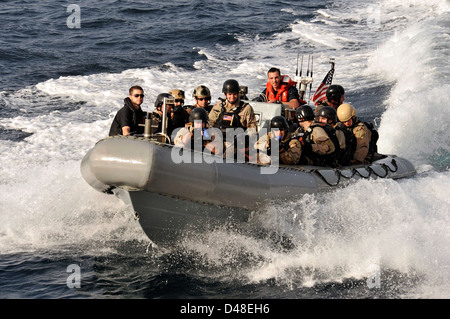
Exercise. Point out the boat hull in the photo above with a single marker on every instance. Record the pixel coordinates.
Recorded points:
(172, 197)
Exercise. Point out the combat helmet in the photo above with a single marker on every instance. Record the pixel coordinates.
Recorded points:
(279, 122)
(329, 113)
(160, 99)
(305, 113)
(231, 86)
(198, 113)
(177, 94)
(345, 112)
(335, 92)
(201, 91)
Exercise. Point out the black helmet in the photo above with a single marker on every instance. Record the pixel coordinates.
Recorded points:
(279, 122)
(198, 113)
(160, 99)
(305, 113)
(334, 93)
(329, 113)
(231, 86)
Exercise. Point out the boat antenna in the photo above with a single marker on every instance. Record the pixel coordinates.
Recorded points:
(304, 80)
(310, 84)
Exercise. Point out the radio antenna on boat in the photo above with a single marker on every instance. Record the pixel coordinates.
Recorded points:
(304, 80)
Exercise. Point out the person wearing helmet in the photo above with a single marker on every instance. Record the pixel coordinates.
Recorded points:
(197, 128)
(179, 97)
(334, 97)
(280, 89)
(202, 97)
(365, 147)
(289, 147)
(179, 115)
(320, 145)
(157, 114)
(232, 113)
(127, 120)
(328, 115)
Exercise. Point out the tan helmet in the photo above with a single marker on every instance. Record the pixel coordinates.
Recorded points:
(345, 112)
(177, 94)
(201, 91)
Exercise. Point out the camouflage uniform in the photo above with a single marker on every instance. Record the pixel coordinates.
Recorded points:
(289, 156)
(363, 136)
(322, 145)
(246, 114)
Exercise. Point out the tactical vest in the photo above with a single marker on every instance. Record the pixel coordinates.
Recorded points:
(373, 148)
(330, 160)
(346, 155)
(230, 119)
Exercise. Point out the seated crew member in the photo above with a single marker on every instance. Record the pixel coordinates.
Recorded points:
(198, 128)
(366, 136)
(127, 120)
(347, 142)
(289, 146)
(319, 142)
(335, 97)
(179, 115)
(157, 115)
(232, 113)
(280, 89)
(202, 97)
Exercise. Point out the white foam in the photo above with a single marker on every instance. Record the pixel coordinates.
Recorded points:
(404, 225)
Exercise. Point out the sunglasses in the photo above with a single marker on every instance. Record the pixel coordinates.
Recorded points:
(179, 100)
(139, 95)
(204, 98)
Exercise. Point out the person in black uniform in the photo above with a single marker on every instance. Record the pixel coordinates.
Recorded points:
(127, 120)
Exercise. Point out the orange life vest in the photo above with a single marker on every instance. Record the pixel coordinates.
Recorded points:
(282, 93)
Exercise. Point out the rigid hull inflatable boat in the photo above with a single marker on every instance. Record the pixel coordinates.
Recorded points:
(171, 198)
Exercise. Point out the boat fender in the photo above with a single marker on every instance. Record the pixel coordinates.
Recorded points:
(330, 176)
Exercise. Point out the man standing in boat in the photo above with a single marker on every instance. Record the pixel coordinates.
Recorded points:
(231, 113)
(127, 120)
(280, 89)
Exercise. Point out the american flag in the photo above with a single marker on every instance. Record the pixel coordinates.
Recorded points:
(321, 91)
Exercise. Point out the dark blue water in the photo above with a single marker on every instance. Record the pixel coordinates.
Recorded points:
(37, 44)
(53, 108)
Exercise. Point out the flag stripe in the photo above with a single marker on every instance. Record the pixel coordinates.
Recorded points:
(321, 91)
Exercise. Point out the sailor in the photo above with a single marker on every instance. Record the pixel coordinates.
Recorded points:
(127, 120)
(202, 97)
(320, 145)
(157, 114)
(179, 115)
(233, 113)
(347, 141)
(280, 89)
(289, 147)
(366, 136)
(179, 97)
(335, 97)
(197, 128)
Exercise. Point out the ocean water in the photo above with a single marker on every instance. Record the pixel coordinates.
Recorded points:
(61, 84)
